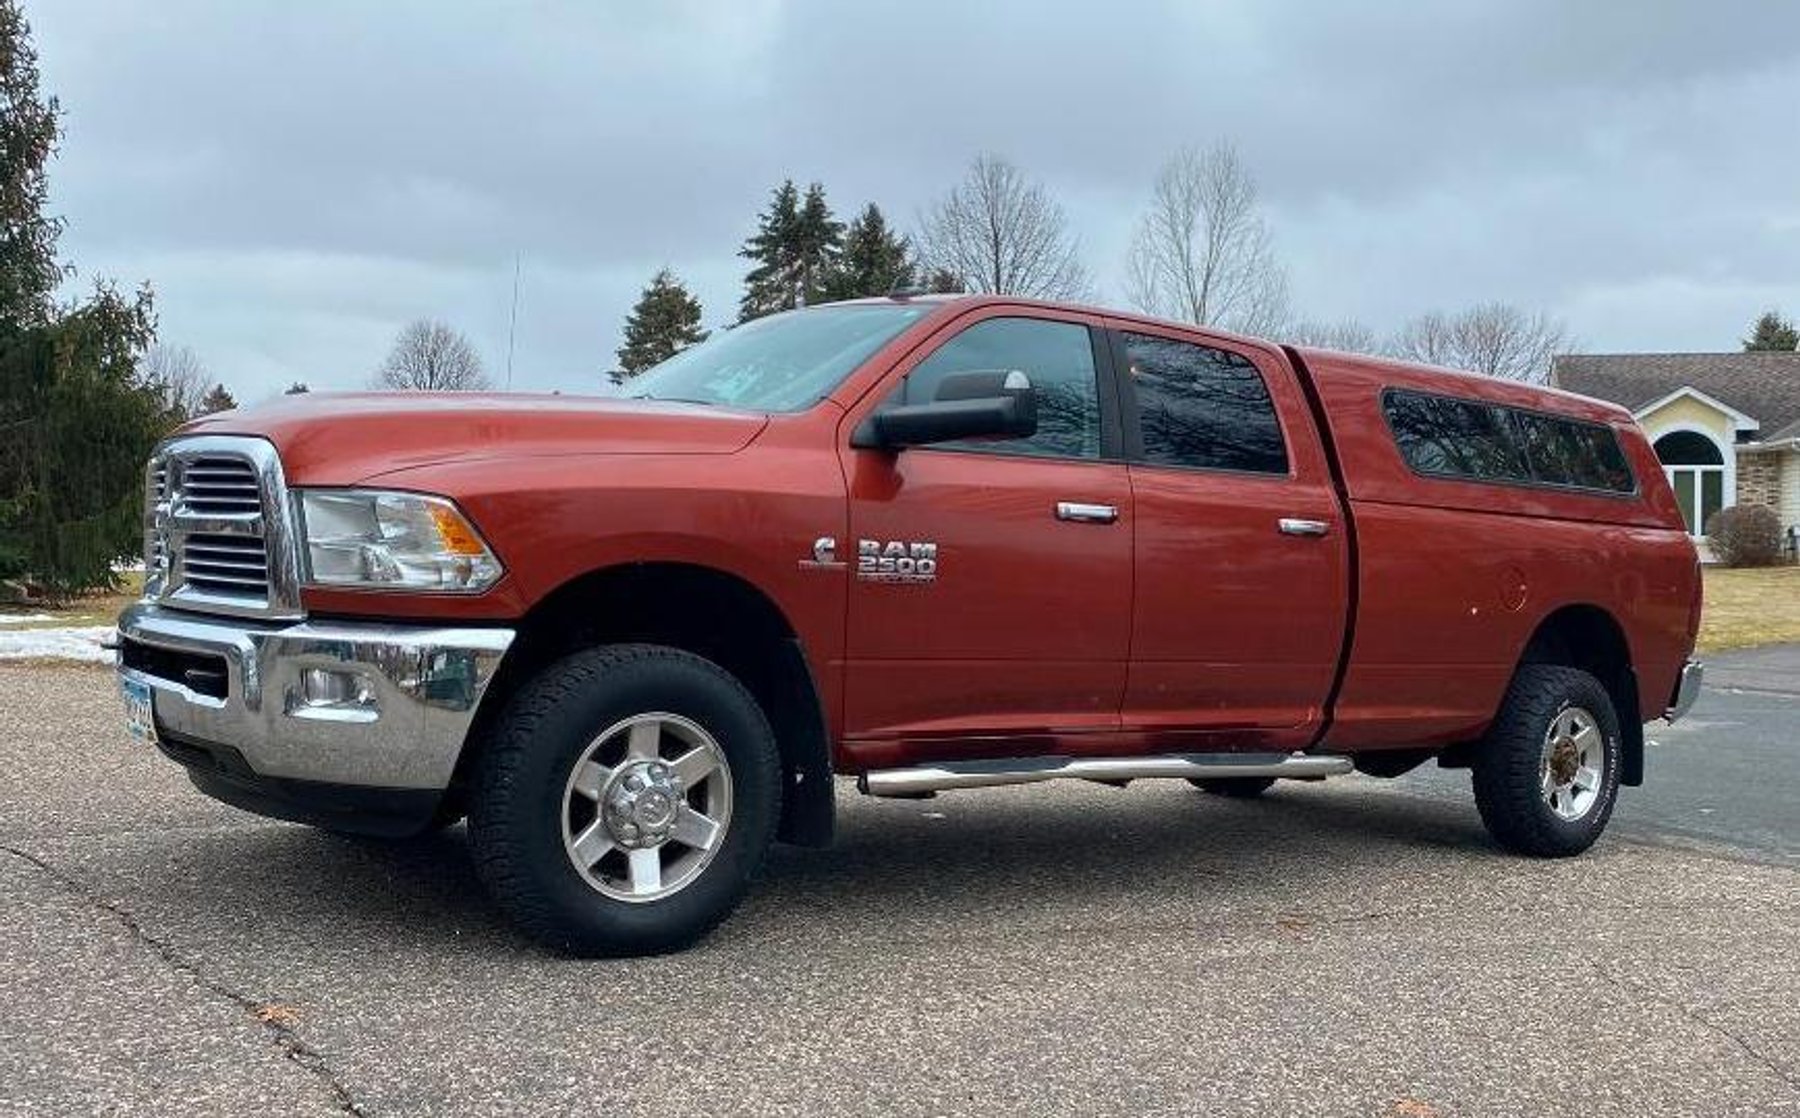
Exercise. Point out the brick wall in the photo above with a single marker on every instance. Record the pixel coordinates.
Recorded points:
(1759, 479)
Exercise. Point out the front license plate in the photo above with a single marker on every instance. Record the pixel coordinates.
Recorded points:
(140, 715)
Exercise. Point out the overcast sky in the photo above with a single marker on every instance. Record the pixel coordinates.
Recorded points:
(299, 180)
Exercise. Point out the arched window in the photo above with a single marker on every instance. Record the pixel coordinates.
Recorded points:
(1696, 469)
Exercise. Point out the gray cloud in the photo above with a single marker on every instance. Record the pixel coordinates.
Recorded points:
(298, 180)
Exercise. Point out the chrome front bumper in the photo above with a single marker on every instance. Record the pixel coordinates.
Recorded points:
(419, 687)
(1687, 689)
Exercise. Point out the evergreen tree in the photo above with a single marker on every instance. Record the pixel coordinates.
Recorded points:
(78, 415)
(795, 247)
(665, 321)
(942, 281)
(29, 272)
(1772, 332)
(874, 261)
(219, 399)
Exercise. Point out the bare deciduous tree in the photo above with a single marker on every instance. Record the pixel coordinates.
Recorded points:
(1346, 336)
(180, 375)
(1000, 232)
(1494, 338)
(1202, 252)
(429, 356)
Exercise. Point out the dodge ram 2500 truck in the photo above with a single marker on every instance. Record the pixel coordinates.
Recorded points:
(931, 543)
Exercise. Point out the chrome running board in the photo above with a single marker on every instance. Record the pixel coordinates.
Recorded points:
(927, 779)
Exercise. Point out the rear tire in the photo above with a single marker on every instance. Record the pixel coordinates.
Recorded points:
(1546, 777)
(624, 801)
(1236, 787)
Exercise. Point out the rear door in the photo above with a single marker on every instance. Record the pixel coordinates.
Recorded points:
(1022, 623)
(1241, 553)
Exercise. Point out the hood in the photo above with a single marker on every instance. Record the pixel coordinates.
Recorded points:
(344, 438)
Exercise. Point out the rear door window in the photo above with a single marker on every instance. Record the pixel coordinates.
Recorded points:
(1203, 407)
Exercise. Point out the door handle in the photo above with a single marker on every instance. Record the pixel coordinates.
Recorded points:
(1295, 526)
(1085, 513)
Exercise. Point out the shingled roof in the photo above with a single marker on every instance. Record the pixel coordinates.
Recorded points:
(1764, 386)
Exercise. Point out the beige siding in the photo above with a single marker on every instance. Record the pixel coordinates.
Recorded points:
(1685, 412)
(1790, 488)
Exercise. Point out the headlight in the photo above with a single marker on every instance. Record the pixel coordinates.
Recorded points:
(403, 541)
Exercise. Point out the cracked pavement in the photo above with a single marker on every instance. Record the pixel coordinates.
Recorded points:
(1349, 948)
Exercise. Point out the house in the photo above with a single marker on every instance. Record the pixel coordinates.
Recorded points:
(1726, 425)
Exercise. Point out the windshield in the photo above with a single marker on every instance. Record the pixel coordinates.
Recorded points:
(784, 362)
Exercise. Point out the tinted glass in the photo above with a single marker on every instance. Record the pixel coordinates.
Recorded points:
(784, 362)
(1454, 438)
(1567, 452)
(1059, 359)
(1204, 407)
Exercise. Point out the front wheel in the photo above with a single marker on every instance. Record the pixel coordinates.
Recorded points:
(625, 801)
(1547, 774)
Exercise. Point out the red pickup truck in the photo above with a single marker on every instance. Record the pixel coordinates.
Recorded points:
(930, 543)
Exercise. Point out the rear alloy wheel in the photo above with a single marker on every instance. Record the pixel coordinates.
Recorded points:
(1547, 775)
(1237, 787)
(625, 800)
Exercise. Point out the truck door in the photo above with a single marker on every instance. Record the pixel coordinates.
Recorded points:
(1241, 568)
(1022, 621)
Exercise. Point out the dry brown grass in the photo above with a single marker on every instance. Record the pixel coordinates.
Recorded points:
(99, 608)
(1749, 607)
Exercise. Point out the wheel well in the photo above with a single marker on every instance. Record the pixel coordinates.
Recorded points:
(1587, 637)
(711, 614)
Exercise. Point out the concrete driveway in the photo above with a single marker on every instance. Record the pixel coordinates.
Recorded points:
(1350, 948)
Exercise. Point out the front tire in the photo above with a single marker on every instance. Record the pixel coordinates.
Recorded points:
(625, 800)
(1546, 777)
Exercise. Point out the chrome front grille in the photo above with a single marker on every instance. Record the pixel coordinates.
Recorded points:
(225, 564)
(216, 485)
(216, 536)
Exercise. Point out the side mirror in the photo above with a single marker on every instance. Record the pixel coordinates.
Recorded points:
(987, 404)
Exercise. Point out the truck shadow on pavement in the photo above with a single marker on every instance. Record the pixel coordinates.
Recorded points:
(898, 867)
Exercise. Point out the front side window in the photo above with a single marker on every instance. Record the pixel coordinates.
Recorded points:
(785, 362)
(1203, 407)
(1059, 359)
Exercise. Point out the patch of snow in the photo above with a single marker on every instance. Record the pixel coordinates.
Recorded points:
(81, 644)
(24, 618)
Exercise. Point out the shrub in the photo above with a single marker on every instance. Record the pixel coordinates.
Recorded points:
(1745, 536)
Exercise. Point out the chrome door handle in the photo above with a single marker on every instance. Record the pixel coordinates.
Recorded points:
(1294, 526)
(1086, 514)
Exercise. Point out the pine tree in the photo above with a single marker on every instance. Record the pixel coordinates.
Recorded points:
(665, 321)
(874, 261)
(795, 247)
(1772, 332)
(29, 273)
(219, 399)
(78, 415)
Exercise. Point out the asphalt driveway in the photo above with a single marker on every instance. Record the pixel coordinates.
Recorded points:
(1350, 948)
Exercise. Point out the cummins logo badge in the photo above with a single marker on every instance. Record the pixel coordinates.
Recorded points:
(896, 561)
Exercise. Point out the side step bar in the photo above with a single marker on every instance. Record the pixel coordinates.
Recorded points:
(928, 779)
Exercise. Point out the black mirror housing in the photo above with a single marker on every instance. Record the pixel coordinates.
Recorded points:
(994, 404)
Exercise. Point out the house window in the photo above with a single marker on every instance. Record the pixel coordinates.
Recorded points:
(1696, 469)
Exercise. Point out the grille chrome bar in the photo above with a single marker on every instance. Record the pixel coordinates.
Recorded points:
(216, 528)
